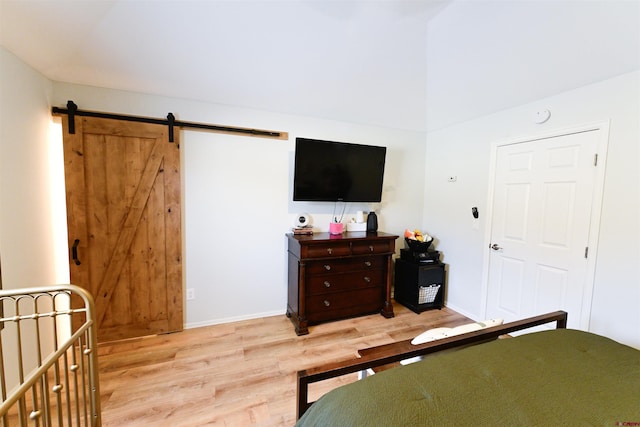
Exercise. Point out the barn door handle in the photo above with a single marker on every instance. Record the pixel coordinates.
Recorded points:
(74, 251)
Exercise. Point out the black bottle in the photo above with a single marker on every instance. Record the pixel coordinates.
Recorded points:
(372, 222)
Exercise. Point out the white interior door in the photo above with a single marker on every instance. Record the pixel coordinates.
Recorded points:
(542, 209)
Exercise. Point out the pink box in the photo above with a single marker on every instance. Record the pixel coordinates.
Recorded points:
(335, 228)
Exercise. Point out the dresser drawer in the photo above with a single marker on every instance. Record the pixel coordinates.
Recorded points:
(324, 250)
(344, 304)
(327, 283)
(344, 265)
(372, 247)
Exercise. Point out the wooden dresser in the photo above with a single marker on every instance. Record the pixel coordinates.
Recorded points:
(338, 276)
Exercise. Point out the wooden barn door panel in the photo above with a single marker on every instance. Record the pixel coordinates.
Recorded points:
(123, 206)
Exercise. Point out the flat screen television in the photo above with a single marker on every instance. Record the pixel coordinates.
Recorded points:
(328, 171)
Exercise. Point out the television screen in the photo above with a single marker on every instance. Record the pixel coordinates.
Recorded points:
(327, 171)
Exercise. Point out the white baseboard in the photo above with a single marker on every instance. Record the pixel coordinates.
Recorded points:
(465, 313)
(252, 316)
(232, 319)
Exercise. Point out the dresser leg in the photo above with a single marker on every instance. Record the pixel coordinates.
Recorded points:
(387, 310)
(300, 324)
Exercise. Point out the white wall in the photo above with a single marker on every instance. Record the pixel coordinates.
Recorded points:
(237, 196)
(464, 150)
(28, 245)
(486, 56)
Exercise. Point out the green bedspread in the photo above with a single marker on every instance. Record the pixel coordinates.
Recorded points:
(552, 378)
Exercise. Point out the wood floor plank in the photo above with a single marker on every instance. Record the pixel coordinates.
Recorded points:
(238, 374)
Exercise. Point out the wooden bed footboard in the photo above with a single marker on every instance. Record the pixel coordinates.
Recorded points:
(401, 350)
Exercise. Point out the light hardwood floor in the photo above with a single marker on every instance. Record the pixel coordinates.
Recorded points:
(238, 374)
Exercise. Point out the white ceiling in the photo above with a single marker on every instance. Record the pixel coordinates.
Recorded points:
(388, 62)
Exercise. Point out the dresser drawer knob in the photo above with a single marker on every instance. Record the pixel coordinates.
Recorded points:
(327, 284)
(367, 279)
(327, 267)
(326, 303)
(367, 263)
(370, 248)
(329, 251)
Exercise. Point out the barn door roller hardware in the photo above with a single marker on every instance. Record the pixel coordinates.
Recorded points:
(72, 111)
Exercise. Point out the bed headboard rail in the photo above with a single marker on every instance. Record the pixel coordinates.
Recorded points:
(395, 352)
(48, 357)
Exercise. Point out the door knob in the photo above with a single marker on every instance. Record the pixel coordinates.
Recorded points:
(495, 247)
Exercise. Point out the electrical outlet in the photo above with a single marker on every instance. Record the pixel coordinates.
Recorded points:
(191, 294)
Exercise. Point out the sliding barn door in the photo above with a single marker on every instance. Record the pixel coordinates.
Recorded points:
(123, 214)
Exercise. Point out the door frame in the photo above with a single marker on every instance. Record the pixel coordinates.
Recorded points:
(596, 208)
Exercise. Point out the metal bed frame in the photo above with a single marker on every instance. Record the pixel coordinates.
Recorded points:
(48, 357)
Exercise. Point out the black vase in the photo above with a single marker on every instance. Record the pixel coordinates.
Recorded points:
(372, 222)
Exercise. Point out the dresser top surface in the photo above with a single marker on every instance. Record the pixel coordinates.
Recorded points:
(349, 235)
